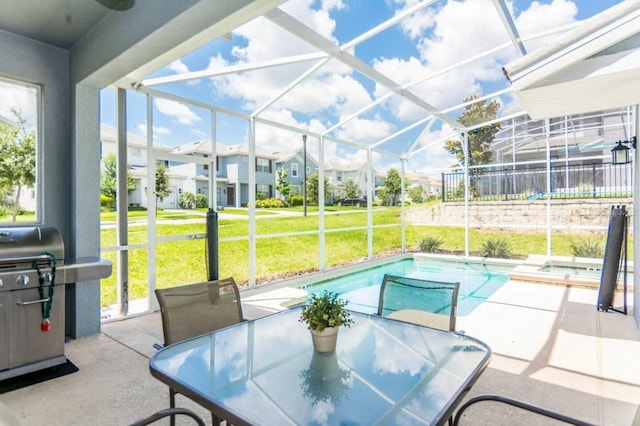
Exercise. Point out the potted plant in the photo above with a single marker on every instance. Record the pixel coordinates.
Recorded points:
(323, 315)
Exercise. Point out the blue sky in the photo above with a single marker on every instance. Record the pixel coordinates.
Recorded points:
(431, 40)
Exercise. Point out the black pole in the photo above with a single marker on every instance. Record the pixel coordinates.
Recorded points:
(304, 174)
(212, 245)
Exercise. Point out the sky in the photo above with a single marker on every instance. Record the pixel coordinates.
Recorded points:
(421, 51)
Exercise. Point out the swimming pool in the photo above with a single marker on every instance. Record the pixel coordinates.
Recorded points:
(477, 282)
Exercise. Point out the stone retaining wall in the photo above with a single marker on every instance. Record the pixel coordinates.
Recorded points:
(575, 213)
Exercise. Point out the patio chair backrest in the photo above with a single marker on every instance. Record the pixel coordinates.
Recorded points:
(195, 309)
(430, 303)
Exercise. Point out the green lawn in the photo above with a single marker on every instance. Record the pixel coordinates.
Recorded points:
(277, 257)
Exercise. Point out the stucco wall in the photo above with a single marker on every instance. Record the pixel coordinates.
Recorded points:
(579, 213)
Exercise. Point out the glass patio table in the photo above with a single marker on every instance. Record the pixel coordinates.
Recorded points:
(266, 372)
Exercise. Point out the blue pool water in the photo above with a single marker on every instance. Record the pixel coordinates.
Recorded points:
(362, 288)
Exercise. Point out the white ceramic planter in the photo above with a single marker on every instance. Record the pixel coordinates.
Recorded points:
(325, 340)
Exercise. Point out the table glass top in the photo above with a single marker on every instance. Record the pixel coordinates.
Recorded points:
(383, 371)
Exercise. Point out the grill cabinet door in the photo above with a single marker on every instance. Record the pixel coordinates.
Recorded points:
(28, 342)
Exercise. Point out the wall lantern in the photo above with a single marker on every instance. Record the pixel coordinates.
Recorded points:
(620, 154)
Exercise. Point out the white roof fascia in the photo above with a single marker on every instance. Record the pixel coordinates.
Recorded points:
(594, 35)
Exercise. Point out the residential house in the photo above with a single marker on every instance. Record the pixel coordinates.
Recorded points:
(431, 186)
(339, 174)
(137, 160)
(232, 172)
(293, 163)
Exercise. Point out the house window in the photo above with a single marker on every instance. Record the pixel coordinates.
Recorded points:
(263, 165)
(19, 144)
(206, 166)
(263, 191)
(294, 170)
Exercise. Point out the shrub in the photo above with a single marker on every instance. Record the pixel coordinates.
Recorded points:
(295, 200)
(201, 201)
(269, 203)
(587, 248)
(107, 203)
(187, 200)
(496, 247)
(430, 244)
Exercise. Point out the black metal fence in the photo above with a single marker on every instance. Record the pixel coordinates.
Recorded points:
(595, 180)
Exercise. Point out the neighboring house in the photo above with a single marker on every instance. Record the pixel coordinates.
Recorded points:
(136, 146)
(232, 172)
(431, 187)
(339, 174)
(137, 160)
(293, 163)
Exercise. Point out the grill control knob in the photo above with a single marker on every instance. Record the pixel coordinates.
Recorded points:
(1, 283)
(22, 280)
(48, 277)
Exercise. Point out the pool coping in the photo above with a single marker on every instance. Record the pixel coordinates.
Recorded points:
(530, 271)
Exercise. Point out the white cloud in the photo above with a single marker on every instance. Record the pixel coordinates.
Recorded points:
(180, 112)
(20, 98)
(157, 131)
(366, 131)
(178, 67)
(453, 33)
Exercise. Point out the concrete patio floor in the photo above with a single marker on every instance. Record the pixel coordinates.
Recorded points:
(551, 348)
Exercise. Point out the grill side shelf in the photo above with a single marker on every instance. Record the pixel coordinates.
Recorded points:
(86, 269)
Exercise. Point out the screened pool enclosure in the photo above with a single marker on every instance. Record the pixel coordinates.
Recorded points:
(397, 91)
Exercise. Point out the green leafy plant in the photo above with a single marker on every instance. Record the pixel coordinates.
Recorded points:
(430, 244)
(587, 248)
(496, 247)
(326, 310)
(269, 203)
(187, 200)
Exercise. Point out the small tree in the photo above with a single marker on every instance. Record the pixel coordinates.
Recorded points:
(479, 140)
(392, 186)
(108, 184)
(351, 188)
(17, 158)
(283, 186)
(416, 193)
(312, 188)
(162, 183)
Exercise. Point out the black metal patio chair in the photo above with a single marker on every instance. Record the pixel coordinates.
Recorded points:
(166, 413)
(519, 404)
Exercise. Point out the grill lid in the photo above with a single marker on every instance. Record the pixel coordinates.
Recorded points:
(23, 245)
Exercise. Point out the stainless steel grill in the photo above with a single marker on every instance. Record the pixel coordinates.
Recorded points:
(33, 275)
